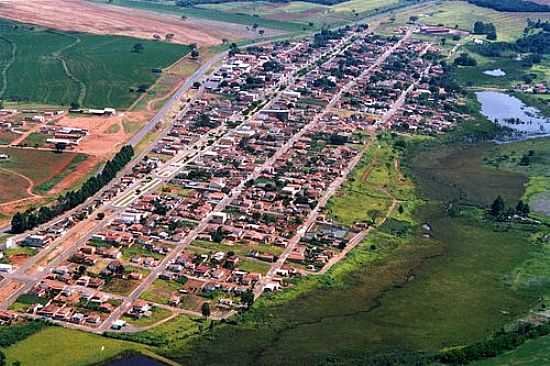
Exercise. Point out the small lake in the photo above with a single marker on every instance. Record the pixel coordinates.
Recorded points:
(508, 111)
(135, 360)
(495, 72)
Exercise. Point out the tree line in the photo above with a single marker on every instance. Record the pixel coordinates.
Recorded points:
(511, 5)
(31, 218)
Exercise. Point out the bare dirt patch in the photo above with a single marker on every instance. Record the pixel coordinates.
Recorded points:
(103, 140)
(84, 16)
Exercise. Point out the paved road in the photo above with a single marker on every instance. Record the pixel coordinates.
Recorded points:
(221, 206)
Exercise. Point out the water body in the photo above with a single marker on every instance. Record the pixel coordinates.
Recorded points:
(508, 111)
(135, 360)
(495, 72)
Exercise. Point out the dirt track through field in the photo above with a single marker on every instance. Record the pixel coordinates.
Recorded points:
(85, 16)
(28, 190)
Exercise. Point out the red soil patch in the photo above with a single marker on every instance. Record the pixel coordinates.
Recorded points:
(84, 16)
(76, 177)
(18, 260)
(104, 138)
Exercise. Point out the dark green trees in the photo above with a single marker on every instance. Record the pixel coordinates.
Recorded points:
(31, 218)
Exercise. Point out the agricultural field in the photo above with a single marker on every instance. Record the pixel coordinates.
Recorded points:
(299, 11)
(24, 184)
(215, 15)
(85, 16)
(38, 167)
(509, 26)
(95, 71)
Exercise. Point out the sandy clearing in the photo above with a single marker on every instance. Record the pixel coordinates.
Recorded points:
(102, 142)
(84, 16)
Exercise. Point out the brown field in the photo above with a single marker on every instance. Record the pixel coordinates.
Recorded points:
(28, 168)
(14, 187)
(106, 134)
(83, 16)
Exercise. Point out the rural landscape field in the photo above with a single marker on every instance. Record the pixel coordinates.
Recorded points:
(320, 182)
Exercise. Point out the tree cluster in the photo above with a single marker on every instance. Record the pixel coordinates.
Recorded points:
(31, 218)
(465, 59)
(499, 211)
(322, 38)
(485, 28)
(511, 5)
(499, 343)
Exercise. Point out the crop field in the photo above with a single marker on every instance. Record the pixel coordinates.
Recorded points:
(96, 71)
(36, 166)
(14, 187)
(462, 14)
(210, 14)
(299, 11)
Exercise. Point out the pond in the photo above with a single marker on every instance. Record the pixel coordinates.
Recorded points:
(508, 111)
(540, 203)
(495, 72)
(135, 360)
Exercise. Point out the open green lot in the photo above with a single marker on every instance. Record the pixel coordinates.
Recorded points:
(56, 346)
(59, 68)
(157, 315)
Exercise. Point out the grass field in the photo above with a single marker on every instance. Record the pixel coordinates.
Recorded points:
(35, 139)
(51, 346)
(157, 315)
(461, 171)
(61, 68)
(532, 353)
(372, 186)
(462, 14)
(303, 12)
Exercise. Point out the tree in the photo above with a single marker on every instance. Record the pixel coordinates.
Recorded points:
(217, 236)
(195, 53)
(525, 160)
(205, 310)
(60, 147)
(374, 214)
(465, 60)
(138, 48)
(247, 298)
(497, 207)
(522, 209)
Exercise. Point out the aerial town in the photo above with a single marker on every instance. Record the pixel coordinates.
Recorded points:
(229, 203)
